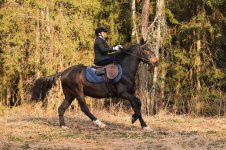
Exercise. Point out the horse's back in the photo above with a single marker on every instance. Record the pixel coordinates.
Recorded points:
(72, 74)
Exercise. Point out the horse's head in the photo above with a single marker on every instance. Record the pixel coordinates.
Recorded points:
(146, 55)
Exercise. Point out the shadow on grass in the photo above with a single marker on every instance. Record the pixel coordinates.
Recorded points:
(77, 123)
(42, 121)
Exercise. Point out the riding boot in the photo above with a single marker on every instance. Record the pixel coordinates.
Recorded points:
(100, 71)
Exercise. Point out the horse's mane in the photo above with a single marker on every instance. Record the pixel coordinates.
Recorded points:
(129, 49)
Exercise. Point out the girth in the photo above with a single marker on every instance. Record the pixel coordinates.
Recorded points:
(110, 72)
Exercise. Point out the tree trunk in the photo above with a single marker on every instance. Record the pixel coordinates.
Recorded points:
(37, 51)
(134, 25)
(143, 71)
(197, 59)
(160, 18)
(197, 71)
(145, 19)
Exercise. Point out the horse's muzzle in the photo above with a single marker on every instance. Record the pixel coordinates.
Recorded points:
(154, 60)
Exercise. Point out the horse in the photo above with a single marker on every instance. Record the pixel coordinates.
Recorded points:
(75, 85)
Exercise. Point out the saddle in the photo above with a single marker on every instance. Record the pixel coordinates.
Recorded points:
(111, 71)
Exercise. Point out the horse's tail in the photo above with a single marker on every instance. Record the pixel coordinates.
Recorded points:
(42, 86)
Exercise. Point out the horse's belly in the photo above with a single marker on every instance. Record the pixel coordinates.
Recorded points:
(96, 91)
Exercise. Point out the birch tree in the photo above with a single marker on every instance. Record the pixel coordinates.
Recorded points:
(156, 35)
(134, 34)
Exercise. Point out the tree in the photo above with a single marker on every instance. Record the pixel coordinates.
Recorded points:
(134, 34)
(194, 64)
(143, 69)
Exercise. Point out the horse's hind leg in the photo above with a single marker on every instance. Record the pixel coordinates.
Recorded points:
(64, 105)
(81, 99)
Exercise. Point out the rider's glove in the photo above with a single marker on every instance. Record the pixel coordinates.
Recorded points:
(117, 48)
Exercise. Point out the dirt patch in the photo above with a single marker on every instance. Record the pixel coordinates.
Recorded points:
(36, 129)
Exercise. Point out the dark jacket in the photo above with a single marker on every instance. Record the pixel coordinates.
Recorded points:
(101, 50)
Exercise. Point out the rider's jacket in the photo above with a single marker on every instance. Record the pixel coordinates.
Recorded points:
(101, 49)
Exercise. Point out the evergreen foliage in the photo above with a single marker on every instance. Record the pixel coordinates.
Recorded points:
(39, 38)
(197, 71)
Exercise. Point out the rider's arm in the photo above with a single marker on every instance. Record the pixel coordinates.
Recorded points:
(103, 47)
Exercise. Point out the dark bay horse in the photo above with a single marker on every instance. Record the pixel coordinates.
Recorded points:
(75, 85)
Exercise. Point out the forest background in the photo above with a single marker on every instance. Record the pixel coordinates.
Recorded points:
(40, 38)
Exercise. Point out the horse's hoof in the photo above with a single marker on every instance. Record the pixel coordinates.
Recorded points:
(64, 127)
(147, 129)
(99, 123)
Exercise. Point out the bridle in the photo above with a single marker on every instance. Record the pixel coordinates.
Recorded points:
(145, 58)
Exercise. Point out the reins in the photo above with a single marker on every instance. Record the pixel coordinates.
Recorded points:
(146, 60)
(143, 59)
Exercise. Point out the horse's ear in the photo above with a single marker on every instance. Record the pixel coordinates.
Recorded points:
(142, 42)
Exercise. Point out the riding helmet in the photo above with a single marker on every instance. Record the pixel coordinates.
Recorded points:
(99, 30)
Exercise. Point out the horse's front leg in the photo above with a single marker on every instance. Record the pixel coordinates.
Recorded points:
(136, 105)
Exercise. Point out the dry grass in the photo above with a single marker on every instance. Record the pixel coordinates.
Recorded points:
(28, 127)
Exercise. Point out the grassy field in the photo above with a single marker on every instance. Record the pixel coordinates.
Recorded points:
(27, 127)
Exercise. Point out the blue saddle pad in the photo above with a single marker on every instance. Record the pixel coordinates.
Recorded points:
(92, 77)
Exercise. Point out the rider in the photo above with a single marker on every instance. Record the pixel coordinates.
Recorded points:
(102, 50)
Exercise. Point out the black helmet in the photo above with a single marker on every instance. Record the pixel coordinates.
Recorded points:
(100, 29)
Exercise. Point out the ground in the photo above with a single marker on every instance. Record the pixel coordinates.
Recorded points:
(26, 127)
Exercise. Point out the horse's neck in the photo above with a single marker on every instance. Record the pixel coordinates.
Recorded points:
(130, 66)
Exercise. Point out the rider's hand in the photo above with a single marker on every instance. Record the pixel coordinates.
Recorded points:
(117, 48)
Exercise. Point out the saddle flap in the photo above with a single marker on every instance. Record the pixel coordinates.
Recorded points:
(112, 71)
